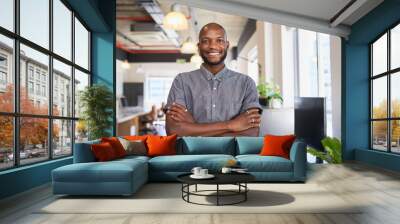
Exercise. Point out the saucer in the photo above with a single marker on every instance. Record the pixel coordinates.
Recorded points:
(208, 176)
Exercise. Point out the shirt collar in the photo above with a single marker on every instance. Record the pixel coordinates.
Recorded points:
(219, 76)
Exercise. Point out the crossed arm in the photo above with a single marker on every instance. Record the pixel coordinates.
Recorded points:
(179, 121)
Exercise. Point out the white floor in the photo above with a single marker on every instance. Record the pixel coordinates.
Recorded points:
(377, 189)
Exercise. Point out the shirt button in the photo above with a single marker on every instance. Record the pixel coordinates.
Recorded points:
(213, 105)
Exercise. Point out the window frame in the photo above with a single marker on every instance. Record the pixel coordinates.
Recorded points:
(388, 74)
(16, 114)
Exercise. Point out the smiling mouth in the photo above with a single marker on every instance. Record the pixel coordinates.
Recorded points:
(213, 53)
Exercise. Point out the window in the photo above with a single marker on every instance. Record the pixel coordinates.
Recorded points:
(7, 14)
(43, 90)
(37, 74)
(81, 45)
(252, 64)
(30, 87)
(156, 90)
(3, 61)
(6, 74)
(62, 73)
(385, 95)
(81, 81)
(307, 70)
(6, 142)
(46, 129)
(38, 89)
(62, 31)
(3, 72)
(34, 21)
(3, 78)
(30, 72)
(62, 137)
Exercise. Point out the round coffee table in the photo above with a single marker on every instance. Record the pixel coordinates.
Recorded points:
(238, 179)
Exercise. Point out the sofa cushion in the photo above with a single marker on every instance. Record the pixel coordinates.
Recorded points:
(185, 163)
(116, 145)
(249, 145)
(257, 163)
(277, 145)
(112, 171)
(103, 152)
(208, 145)
(161, 145)
(134, 147)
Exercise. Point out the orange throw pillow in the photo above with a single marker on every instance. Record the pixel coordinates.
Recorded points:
(277, 145)
(161, 145)
(116, 145)
(136, 137)
(103, 152)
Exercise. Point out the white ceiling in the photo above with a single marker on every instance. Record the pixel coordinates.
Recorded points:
(233, 25)
(321, 9)
(313, 15)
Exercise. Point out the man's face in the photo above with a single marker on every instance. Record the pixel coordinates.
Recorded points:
(213, 45)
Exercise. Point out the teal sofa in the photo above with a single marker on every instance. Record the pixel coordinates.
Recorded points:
(125, 176)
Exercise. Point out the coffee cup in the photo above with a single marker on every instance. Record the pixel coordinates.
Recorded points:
(226, 170)
(196, 171)
(203, 172)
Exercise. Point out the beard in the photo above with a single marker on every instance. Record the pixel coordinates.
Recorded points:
(221, 60)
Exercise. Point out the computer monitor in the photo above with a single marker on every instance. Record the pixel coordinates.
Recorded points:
(309, 120)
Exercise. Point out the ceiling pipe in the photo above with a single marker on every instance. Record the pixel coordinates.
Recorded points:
(346, 12)
(136, 18)
(157, 15)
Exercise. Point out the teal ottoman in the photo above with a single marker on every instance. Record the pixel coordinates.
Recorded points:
(118, 177)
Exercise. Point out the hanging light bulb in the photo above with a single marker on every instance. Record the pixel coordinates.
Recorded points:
(188, 47)
(125, 64)
(175, 20)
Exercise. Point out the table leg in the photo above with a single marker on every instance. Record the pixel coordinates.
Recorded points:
(188, 190)
(245, 191)
(217, 194)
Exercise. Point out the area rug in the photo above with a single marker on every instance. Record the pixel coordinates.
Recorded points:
(167, 198)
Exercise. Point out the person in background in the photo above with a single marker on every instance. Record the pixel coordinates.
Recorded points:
(213, 100)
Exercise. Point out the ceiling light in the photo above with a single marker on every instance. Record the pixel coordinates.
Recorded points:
(125, 64)
(175, 20)
(188, 47)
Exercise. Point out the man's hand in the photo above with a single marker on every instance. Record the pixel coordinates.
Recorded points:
(249, 119)
(179, 113)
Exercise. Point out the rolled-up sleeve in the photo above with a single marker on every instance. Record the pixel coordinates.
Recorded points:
(250, 99)
(176, 93)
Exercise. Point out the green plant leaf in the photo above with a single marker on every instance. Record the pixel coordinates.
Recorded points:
(334, 148)
(96, 102)
(319, 154)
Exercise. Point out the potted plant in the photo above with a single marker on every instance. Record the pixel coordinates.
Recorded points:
(268, 92)
(333, 150)
(96, 102)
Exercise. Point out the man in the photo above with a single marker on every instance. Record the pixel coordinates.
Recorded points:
(213, 100)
